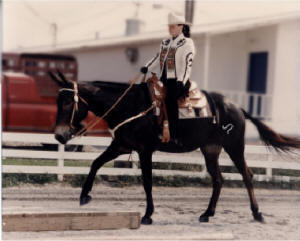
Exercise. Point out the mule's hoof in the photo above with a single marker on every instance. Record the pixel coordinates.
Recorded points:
(85, 200)
(146, 221)
(258, 217)
(204, 219)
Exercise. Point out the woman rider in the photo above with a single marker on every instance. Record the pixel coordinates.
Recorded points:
(175, 58)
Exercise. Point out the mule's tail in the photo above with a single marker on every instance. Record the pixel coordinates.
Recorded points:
(271, 138)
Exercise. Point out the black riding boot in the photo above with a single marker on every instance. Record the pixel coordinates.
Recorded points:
(172, 110)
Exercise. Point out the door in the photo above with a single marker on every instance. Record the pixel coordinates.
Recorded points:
(257, 80)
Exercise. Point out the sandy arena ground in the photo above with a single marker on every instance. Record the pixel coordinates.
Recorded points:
(176, 212)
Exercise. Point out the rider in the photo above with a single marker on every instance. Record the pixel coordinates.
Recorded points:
(175, 58)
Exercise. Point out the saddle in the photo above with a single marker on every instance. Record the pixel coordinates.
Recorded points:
(196, 105)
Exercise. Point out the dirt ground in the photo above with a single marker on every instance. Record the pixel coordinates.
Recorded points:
(176, 212)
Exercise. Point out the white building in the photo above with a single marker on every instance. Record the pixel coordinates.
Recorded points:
(250, 56)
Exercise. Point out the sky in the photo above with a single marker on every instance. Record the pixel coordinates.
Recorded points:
(32, 23)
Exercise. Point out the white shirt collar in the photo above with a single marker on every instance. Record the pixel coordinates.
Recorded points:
(179, 37)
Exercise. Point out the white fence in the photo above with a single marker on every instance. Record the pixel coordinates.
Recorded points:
(267, 160)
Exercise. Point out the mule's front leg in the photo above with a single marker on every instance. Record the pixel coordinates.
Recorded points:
(109, 154)
(146, 166)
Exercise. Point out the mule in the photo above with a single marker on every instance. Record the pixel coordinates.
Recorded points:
(142, 135)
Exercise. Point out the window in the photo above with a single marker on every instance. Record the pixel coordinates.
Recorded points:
(70, 75)
(71, 66)
(30, 63)
(4, 63)
(41, 73)
(11, 62)
(52, 65)
(61, 65)
(8, 62)
(42, 64)
(32, 73)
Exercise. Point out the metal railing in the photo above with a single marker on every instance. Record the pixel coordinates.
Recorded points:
(258, 105)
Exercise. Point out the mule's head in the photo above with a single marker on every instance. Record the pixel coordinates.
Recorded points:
(71, 109)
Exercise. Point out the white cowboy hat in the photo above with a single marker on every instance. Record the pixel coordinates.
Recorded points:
(176, 18)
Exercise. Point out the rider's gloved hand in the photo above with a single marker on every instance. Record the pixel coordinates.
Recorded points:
(144, 70)
(183, 90)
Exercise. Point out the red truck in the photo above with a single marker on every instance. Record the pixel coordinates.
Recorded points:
(29, 99)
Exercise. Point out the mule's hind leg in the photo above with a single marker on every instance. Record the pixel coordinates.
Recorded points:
(211, 154)
(236, 153)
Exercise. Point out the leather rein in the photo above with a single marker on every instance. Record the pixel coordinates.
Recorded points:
(97, 119)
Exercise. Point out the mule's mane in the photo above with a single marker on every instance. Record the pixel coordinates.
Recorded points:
(118, 85)
(112, 87)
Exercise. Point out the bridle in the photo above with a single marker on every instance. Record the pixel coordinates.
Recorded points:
(76, 101)
(97, 119)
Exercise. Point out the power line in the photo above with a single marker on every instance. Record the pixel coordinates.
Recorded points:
(92, 17)
(35, 13)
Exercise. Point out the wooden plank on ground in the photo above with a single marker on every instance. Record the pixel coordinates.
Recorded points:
(69, 221)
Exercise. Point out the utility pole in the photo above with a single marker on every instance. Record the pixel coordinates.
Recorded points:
(54, 34)
(137, 4)
(189, 10)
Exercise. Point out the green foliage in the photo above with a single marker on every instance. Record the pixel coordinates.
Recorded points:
(16, 179)
(29, 162)
(123, 181)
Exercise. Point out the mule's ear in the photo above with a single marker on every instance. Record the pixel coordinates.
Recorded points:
(63, 78)
(57, 80)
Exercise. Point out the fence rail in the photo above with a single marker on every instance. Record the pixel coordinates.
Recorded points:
(271, 160)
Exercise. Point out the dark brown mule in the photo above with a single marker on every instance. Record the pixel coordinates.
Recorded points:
(141, 135)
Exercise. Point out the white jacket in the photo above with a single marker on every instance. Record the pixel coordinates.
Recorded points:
(178, 54)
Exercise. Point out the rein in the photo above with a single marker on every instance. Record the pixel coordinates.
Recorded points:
(112, 131)
(97, 119)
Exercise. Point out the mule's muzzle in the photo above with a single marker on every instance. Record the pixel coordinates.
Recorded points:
(63, 134)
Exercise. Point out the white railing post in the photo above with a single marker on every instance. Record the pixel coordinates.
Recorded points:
(254, 106)
(60, 161)
(269, 168)
(204, 172)
(134, 165)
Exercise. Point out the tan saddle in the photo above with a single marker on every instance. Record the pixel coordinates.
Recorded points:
(187, 105)
(196, 102)
(196, 98)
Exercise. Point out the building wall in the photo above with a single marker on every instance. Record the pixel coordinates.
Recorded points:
(229, 57)
(286, 101)
(228, 61)
(228, 68)
(109, 64)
